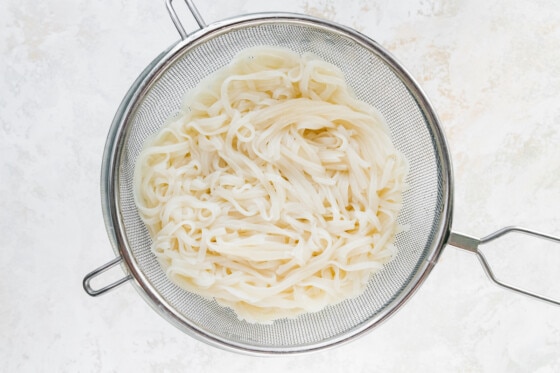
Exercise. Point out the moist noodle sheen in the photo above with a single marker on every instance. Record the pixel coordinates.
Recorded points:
(274, 191)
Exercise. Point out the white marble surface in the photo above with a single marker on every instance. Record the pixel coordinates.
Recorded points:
(492, 71)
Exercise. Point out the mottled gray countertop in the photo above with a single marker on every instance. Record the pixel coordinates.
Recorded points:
(490, 68)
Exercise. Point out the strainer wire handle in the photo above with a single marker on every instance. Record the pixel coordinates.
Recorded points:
(95, 292)
(471, 244)
(177, 21)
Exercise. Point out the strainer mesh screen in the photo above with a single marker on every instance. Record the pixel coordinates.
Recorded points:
(372, 81)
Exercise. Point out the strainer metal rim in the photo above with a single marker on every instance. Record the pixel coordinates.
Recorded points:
(118, 133)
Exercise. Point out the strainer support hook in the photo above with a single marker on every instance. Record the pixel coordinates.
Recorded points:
(95, 292)
(177, 22)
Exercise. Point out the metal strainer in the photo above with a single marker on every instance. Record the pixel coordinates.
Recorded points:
(376, 78)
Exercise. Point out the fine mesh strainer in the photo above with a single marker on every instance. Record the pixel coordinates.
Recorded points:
(376, 78)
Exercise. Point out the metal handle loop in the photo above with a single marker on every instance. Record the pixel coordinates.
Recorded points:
(471, 244)
(95, 292)
(177, 21)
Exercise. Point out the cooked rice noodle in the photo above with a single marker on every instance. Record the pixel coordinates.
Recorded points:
(274, 191)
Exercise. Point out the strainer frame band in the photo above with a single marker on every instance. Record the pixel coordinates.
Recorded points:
(117, 136)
